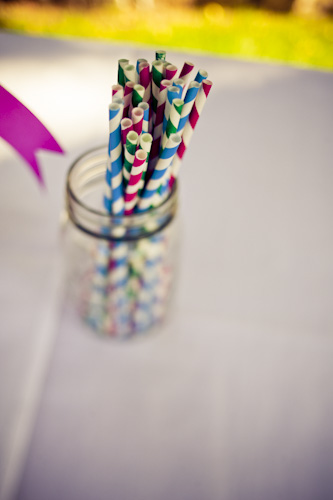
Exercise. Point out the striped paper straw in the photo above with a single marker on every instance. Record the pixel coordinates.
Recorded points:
(157, 76)
(137, 94)
(117, 91)
(145, 143)
(118, 264)
(171, 72)
(145, 80)
(163, 163)
(129, 73)
(173, 121)
(132, 188)
(199, 103)
(164, 189)
(172, 93)
(160, 55)
(201, 75)
(165, 64)
(115, 154)
(158, 129)
(180, 83)
(137, 67)
(126, 126)
(145, 123)
(190, 96)
(121, 77)
(130, 148)
(118, 305)
(127, 98)
(187, 71)
(96, 302)
(137, 119)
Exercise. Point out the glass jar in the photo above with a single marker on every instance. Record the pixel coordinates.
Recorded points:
(119, 269)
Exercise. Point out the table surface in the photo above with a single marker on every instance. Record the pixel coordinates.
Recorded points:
(232, 399)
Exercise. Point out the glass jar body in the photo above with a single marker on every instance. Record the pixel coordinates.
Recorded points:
(119, 270)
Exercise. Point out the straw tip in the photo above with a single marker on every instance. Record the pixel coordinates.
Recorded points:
(146, 137)
(194, 84)
(176, 138)
(141, 154)
(138, 112)
(132, 135)
(178, 102)
(114, 106)
(143, 105)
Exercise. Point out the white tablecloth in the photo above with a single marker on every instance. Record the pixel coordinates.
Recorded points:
(232, 399)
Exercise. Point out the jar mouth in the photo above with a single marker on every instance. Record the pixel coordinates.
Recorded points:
(86, 175)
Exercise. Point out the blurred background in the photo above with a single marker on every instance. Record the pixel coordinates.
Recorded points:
(299, 32)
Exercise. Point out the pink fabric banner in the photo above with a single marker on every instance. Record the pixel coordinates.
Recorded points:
(23, 131)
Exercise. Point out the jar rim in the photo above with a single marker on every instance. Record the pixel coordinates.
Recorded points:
(135, 216)
(105, 225)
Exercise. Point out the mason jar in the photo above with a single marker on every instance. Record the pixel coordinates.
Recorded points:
(119, 270)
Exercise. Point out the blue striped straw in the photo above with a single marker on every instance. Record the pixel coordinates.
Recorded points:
(190, 96)
(201, 75)
(172, 93)
(179, 83)
(164, 161)
(115, 155)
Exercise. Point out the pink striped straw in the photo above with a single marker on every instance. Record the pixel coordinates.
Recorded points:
(187, 71)
(117, 91)
(127, 97)
(137, 119)
(158, 129)
(145, 80)
(198, 105)
(132, 188)
(126, 125)
(171, 72)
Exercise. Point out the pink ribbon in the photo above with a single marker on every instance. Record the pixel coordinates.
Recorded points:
(23, 131)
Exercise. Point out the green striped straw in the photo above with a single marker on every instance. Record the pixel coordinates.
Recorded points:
(160, 55)
(130, 148)
(173, 121)
(129, 73)
(121, 77)
(137, 95)
(145, 142)
(157, 77)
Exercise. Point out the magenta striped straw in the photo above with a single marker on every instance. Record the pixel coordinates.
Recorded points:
(171, 72)
(158, 129)
(137, 119)
(132, 188)
(145, 80)
(187, 72)
(197, 108)
(117, 91)
(128, 97)
(126, 125)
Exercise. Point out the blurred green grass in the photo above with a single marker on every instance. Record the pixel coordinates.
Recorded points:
(246, 33)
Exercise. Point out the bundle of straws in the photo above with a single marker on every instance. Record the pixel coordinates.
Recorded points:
(151, 121)
(152, 116)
